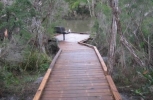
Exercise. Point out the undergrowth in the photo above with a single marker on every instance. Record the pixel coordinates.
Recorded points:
(19, 77)
(135, 81)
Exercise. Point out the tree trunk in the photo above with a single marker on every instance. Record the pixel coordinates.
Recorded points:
(112, 45)
(149, 50)
(38, 30)
(90, 9)
(122, 38)
(93, 7)
(123, 63)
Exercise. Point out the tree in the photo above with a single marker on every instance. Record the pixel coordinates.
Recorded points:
(112, 44)
(32, 17)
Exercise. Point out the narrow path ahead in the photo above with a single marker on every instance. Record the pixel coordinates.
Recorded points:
(77, 74)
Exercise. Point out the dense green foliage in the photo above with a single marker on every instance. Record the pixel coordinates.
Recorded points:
(28, 22)
(74, 4)
(21, 60)
(16, 15)
(78, 8)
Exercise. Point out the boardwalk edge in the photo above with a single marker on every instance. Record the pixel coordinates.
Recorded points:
(97, 53)
(45, 79)
(111, 83)
(113, 88)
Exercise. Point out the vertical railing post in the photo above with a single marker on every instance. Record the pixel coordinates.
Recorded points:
(63, 36)
(62, 33)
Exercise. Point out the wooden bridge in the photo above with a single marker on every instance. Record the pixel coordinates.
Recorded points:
(77, 72)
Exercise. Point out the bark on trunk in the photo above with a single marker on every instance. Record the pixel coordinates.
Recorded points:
(38, 30)
(112, 45)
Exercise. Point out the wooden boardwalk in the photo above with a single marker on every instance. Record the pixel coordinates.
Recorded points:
(77, 73)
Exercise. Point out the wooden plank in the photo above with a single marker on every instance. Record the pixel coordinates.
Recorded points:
(82, 82)
(77, 72)
(77, 81)
(77, 91)
(101, 61)
(50, 88)
(82, 70)
(75, 75)
(74, 85)
(69, 68)
(113, 88)
(45, 79)
(106, 95)
(77, 78)
(79, 67)
(78, 64)
(82, 98)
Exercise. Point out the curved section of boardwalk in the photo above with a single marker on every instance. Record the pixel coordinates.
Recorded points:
(77, 75)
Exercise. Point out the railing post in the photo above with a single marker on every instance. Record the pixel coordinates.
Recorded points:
(63, 36)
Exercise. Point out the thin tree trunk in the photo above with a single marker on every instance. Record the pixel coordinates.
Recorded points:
(116, 28)
(131, 50)
(93, 7)
(112, 45)
(123, 39)
(123, 64)
(89, 8)
(149, 50)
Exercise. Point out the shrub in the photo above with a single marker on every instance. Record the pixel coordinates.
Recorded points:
(35, 61)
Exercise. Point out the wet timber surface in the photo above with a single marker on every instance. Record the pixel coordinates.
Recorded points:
(77, 73)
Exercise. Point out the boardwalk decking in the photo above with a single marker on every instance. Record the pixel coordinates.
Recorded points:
(76, 74)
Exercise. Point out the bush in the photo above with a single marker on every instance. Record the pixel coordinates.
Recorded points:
(35, 61)
(18, 75)
(148, 85)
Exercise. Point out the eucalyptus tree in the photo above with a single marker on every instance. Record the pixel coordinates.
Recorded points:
(31, 17)
(49, 12)
(130, 21)
(137, 16)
